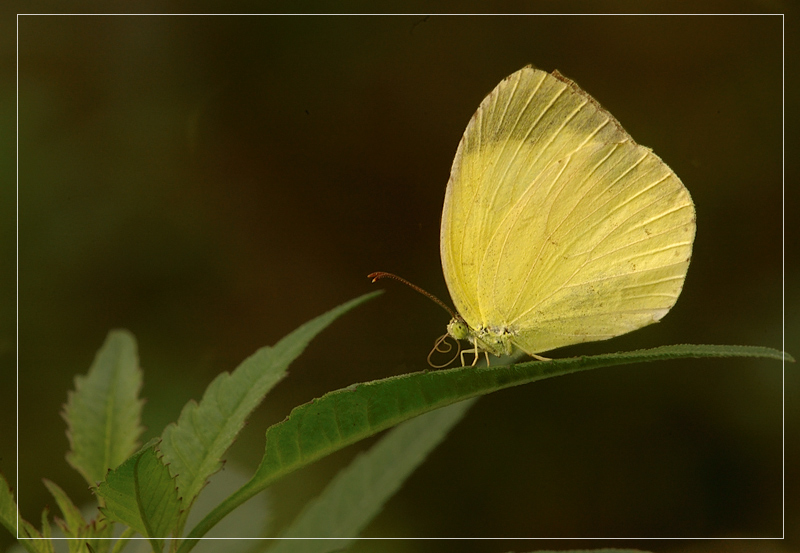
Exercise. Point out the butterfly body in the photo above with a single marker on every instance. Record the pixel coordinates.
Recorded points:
(498, 340)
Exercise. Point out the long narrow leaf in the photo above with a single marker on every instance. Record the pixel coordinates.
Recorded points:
(103, 413)
(340, 418)
(193, 447)
(357, 494)
(343, 417)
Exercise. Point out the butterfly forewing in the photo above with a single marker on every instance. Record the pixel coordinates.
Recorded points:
(556, 225)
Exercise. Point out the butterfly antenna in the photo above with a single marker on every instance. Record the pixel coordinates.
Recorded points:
(380, 274)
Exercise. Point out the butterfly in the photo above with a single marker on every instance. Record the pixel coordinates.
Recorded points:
(557, 227)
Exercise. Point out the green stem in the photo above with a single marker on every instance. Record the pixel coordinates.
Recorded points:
(123, 540)
(222, 510)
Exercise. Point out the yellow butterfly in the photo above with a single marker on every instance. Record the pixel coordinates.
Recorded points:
(557, 227)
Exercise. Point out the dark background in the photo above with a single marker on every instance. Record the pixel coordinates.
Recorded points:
(212, 182)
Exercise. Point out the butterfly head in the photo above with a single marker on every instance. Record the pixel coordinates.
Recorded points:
(459, 329)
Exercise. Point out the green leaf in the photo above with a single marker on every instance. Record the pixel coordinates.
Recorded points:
(8, 509)
(46, 531)
(345, 416)
(141, 494)
(99, 536)
(9, 519)
(193, 447)
(158, 499)
(358, 492)
(103, 414)
(73, 524)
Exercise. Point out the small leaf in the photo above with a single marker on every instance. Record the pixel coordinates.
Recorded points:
(81, 535)
(8, 509)
(46, 532)
(103, 413)
(9, 519)
(357, 494)
(74, 525)
(99, 535)
(141, 494)
(194, 446)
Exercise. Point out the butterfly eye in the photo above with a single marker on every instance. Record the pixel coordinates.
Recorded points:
(458, 329)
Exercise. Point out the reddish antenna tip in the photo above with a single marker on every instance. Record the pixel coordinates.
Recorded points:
(376, 276)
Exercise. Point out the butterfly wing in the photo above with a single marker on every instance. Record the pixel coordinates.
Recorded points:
(557, 226)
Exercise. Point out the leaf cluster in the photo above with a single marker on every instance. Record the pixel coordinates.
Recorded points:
(150, 490)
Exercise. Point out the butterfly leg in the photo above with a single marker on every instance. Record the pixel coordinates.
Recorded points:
(477, 355)
(475, 352)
